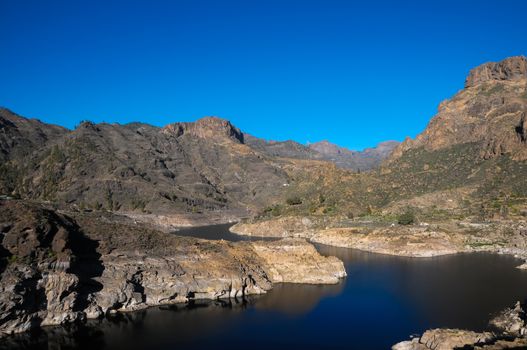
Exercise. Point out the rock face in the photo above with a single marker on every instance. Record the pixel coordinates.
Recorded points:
(511, 321)
(19, 136)
(37, 286)
(410, 241)
(207, 128)
(417, 240)
(283, 227)
(490, 111)
(56, 269)
(296, 261)
(512, 68)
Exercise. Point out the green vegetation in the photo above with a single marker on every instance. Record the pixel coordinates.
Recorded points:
(294, 201)
(9, 177)
(53, 170)
(407, 218)
(328, 210)
(275, 210)
(50, 254)
(138, 203)
(12, 259)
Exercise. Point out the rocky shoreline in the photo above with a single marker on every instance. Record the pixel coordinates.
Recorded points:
(56, 268)
(508, 332)
(420, 241)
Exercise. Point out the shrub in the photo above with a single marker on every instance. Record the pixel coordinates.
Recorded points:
(406, 218)
(293, 201)
(328, 210)
(274, 210)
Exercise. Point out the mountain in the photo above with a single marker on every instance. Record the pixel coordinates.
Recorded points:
(367, 159)
(470, 161)
(205, 166)
(182, 167)
(284, 149)
(490, 110)
(471, 158)
(20, 136)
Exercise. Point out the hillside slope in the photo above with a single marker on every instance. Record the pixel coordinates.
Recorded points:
(183, 167)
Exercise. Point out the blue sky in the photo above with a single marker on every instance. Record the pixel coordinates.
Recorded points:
(355, 73)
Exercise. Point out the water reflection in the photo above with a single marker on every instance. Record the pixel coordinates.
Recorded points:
(296, 299)
(462, 290)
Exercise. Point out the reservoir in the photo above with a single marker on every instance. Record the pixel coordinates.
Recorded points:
(384, 299)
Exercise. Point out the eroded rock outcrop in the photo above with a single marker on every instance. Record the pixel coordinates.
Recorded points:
(37, 286)
(512, 68)
(282, 227)
(416, 240)
(207, 128)
(411, 241)
(296, 261)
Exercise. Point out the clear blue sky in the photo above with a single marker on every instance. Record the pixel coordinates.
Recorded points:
(352, 72)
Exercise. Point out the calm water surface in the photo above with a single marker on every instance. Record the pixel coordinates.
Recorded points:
(383, 300)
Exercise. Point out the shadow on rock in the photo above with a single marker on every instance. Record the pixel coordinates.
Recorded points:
(87, 265)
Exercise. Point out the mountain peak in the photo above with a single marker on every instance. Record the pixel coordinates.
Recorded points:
(326, 147)
(491, 115)
(512, 68)
(210, 127)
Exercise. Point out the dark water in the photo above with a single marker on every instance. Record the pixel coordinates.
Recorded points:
(216, 232)
(383, 300)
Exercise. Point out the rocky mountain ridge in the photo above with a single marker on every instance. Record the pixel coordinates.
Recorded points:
(491, 111)
(367, 159)
(512, 68)
(208, 166)
(184, 167)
